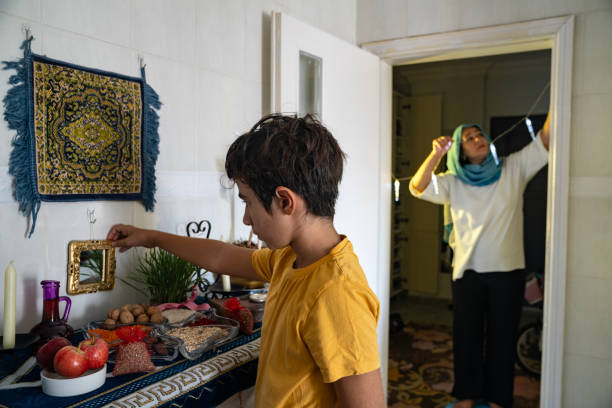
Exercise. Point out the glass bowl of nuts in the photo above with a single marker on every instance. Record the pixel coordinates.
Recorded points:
(137, 313)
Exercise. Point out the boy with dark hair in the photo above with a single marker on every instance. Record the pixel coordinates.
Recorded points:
(318, 344)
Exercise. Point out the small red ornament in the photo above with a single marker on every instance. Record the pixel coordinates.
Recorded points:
(240, 313)
(131, 333)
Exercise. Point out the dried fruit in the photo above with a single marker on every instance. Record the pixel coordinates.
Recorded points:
(160, 348)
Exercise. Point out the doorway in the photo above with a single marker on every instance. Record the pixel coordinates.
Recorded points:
(431, 99)
(553, 33)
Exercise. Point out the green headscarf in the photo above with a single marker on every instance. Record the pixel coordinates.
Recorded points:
(482, 174)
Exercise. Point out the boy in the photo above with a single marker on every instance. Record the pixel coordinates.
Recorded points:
(318, 343)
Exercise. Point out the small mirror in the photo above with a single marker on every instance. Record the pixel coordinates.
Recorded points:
(91, 266)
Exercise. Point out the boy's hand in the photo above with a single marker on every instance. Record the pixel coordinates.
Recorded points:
(442, 144)
(128, 236)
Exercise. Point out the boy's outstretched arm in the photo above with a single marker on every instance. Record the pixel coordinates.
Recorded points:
(360, 391)
(215, 256)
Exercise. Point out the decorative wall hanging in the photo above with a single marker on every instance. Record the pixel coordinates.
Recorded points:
(82, 134)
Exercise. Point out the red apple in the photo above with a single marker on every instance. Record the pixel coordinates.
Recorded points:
(46, 353)
(69, 361)
(96, 351)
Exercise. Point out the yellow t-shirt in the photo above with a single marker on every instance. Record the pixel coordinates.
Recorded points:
(319, 326)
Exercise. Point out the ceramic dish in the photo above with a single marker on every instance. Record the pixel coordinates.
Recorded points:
(58, 386)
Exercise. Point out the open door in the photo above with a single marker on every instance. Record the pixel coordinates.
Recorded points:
(315, 71)
(421, 118)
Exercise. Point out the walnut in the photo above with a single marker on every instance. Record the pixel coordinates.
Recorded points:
(114, 314)
(157, 318)
(151, 310)
(110, 323)
(137, 310)
(142, 318)
(126, 317)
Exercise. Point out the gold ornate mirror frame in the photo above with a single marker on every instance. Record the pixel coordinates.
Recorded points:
(104, 266)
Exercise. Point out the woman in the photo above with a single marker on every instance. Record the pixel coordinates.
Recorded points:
(486, 206)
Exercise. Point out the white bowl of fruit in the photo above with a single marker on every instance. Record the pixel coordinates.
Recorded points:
(68, 370)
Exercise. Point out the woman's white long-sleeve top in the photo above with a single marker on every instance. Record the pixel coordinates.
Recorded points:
(487, 231)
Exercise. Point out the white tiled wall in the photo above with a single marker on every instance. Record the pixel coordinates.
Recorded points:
(588, 362)
(591, 146)
(587, 382)
(596, 51)
(207, 59)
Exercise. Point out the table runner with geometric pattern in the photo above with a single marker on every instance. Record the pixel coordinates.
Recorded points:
(209, 379)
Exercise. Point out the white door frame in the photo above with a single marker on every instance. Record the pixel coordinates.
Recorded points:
(551, 33)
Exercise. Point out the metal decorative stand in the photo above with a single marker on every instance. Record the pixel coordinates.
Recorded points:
(201, 228)
(215, 290)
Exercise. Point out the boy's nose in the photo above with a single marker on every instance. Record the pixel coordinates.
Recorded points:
(246, 220)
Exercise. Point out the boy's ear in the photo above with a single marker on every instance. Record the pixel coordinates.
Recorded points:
(287, 199)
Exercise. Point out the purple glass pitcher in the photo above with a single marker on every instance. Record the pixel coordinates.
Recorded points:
(51, 325)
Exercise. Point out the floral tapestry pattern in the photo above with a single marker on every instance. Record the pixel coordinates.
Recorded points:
(87, 132)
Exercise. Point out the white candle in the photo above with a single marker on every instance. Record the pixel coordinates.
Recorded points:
(10, 284)
(227, 285)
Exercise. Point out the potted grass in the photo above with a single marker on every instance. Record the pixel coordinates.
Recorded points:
(163, 277)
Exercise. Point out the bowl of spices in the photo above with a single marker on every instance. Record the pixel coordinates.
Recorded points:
(160, 346)
(108, 333)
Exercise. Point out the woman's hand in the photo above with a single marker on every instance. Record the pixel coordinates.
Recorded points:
(442, 144)
(545, 133)
(128, 236)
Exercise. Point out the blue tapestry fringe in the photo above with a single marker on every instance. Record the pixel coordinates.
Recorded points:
(18, 114)
(150, 141)
(17, 108)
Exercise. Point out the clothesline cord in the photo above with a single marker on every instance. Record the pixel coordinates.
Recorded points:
(505, 132)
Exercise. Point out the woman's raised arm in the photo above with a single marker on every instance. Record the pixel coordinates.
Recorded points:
(422, 178)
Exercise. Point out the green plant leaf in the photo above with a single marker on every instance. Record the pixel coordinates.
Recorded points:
(163, 276)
